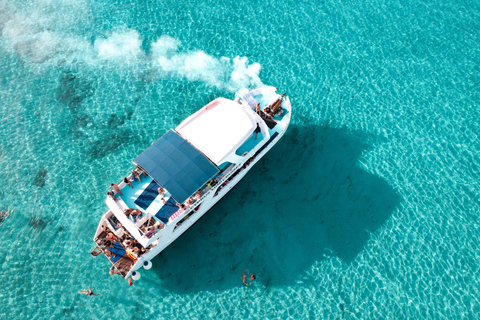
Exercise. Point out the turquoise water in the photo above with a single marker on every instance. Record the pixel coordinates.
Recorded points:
(368, 208)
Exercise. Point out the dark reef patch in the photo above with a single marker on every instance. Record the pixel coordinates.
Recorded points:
(108, 143)
(307, 200)
(40, 177)
(39, 222)
(81, 120)
(72, 90)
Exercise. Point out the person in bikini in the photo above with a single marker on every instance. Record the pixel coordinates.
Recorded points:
(113, 271)
(244, 278)
(161, 191)
(88, 292)
(136, 175)
(252, 278)
(127, 181)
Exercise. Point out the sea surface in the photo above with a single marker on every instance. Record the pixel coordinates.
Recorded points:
(368, 208)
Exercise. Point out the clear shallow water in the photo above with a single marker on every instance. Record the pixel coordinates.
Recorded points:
(368, 208)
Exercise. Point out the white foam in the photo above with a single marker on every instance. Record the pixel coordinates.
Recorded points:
(244, 75)
(165, 46)
(120, 45)
(223, 73)
(37, 34)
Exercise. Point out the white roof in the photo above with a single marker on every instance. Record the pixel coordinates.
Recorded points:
(218, 129)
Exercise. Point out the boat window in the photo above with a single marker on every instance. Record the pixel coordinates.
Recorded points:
(224, 165)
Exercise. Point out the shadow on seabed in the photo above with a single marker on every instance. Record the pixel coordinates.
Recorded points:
(305, 198)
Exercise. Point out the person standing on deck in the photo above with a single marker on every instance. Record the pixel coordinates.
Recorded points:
(115, 187)
(257, 131)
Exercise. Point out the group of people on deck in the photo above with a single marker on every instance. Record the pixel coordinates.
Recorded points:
(136, 174)
(126, 240)
(135, 214)
(182, 206)
(132, 214)
(190, 201)
(267, 112)
(152, 230)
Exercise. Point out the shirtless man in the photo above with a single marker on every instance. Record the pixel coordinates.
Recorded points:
(257, 131)
(115, 187)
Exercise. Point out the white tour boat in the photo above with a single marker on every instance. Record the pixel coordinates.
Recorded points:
(184, 173)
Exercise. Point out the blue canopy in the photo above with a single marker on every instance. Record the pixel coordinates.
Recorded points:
(176, 165)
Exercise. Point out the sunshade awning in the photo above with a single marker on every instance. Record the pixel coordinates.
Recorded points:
(176, 165)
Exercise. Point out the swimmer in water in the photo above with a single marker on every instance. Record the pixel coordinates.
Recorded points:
(88, 292)
(244, 277)
(253, 277)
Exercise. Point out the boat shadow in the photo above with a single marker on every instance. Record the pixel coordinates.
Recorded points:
(305, 201)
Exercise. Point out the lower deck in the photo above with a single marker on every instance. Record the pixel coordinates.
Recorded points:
(122, 263)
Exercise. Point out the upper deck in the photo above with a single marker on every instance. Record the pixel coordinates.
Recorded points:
(218, 129)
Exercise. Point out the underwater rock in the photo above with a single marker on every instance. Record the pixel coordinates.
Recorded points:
(72, 90)
(117, 120)
(114, 121)
(40, 177)
(108, 143)
(38, 222)
(128, 113)
(81, 120)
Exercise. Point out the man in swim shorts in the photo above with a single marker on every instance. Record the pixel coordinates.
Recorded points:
(257, 131)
